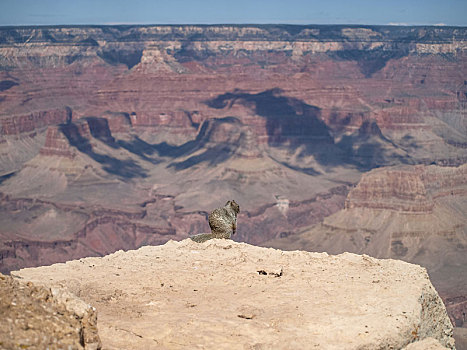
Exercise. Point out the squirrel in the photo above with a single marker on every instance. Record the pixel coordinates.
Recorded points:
(222, 221)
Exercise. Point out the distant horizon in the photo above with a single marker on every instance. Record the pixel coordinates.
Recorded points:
(231, 24)
(27, 13)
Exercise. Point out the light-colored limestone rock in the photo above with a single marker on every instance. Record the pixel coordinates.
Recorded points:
(227, 295)
(425, 344)
(35, 317)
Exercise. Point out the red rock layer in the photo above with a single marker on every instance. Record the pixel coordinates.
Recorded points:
(67, 139)
(57, 144)
(15, 125)
(104, 231)
(407, 189)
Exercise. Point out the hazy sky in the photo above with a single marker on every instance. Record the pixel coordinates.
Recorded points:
(412, 12)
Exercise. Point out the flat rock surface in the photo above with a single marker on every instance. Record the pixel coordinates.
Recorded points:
(227, 295)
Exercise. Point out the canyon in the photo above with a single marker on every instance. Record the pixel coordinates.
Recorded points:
(331, 138)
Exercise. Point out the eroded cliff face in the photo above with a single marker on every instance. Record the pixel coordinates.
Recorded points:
(160, 73)
(411, 189)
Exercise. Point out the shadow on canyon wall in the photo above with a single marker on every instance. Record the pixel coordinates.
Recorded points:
(130, 57)
(369, 148)
(285, 116)
(99, 128)
(126, 169)
(291, 124)
(6, 177)
(213, 152)
(369, 61)
(7, 84)
(296, 125)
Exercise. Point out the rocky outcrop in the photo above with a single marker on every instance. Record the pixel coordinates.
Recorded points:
(37, 317)
(234, 295)
(15, 125)
(116, 123)
(407, 189)
(69, 139)
(56, 143)
(399, 212)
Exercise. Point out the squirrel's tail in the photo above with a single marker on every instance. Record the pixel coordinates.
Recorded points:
(202, 237)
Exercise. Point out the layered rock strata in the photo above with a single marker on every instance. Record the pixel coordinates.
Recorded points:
(413, 189)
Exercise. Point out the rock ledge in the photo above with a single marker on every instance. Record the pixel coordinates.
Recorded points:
(227, 295)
